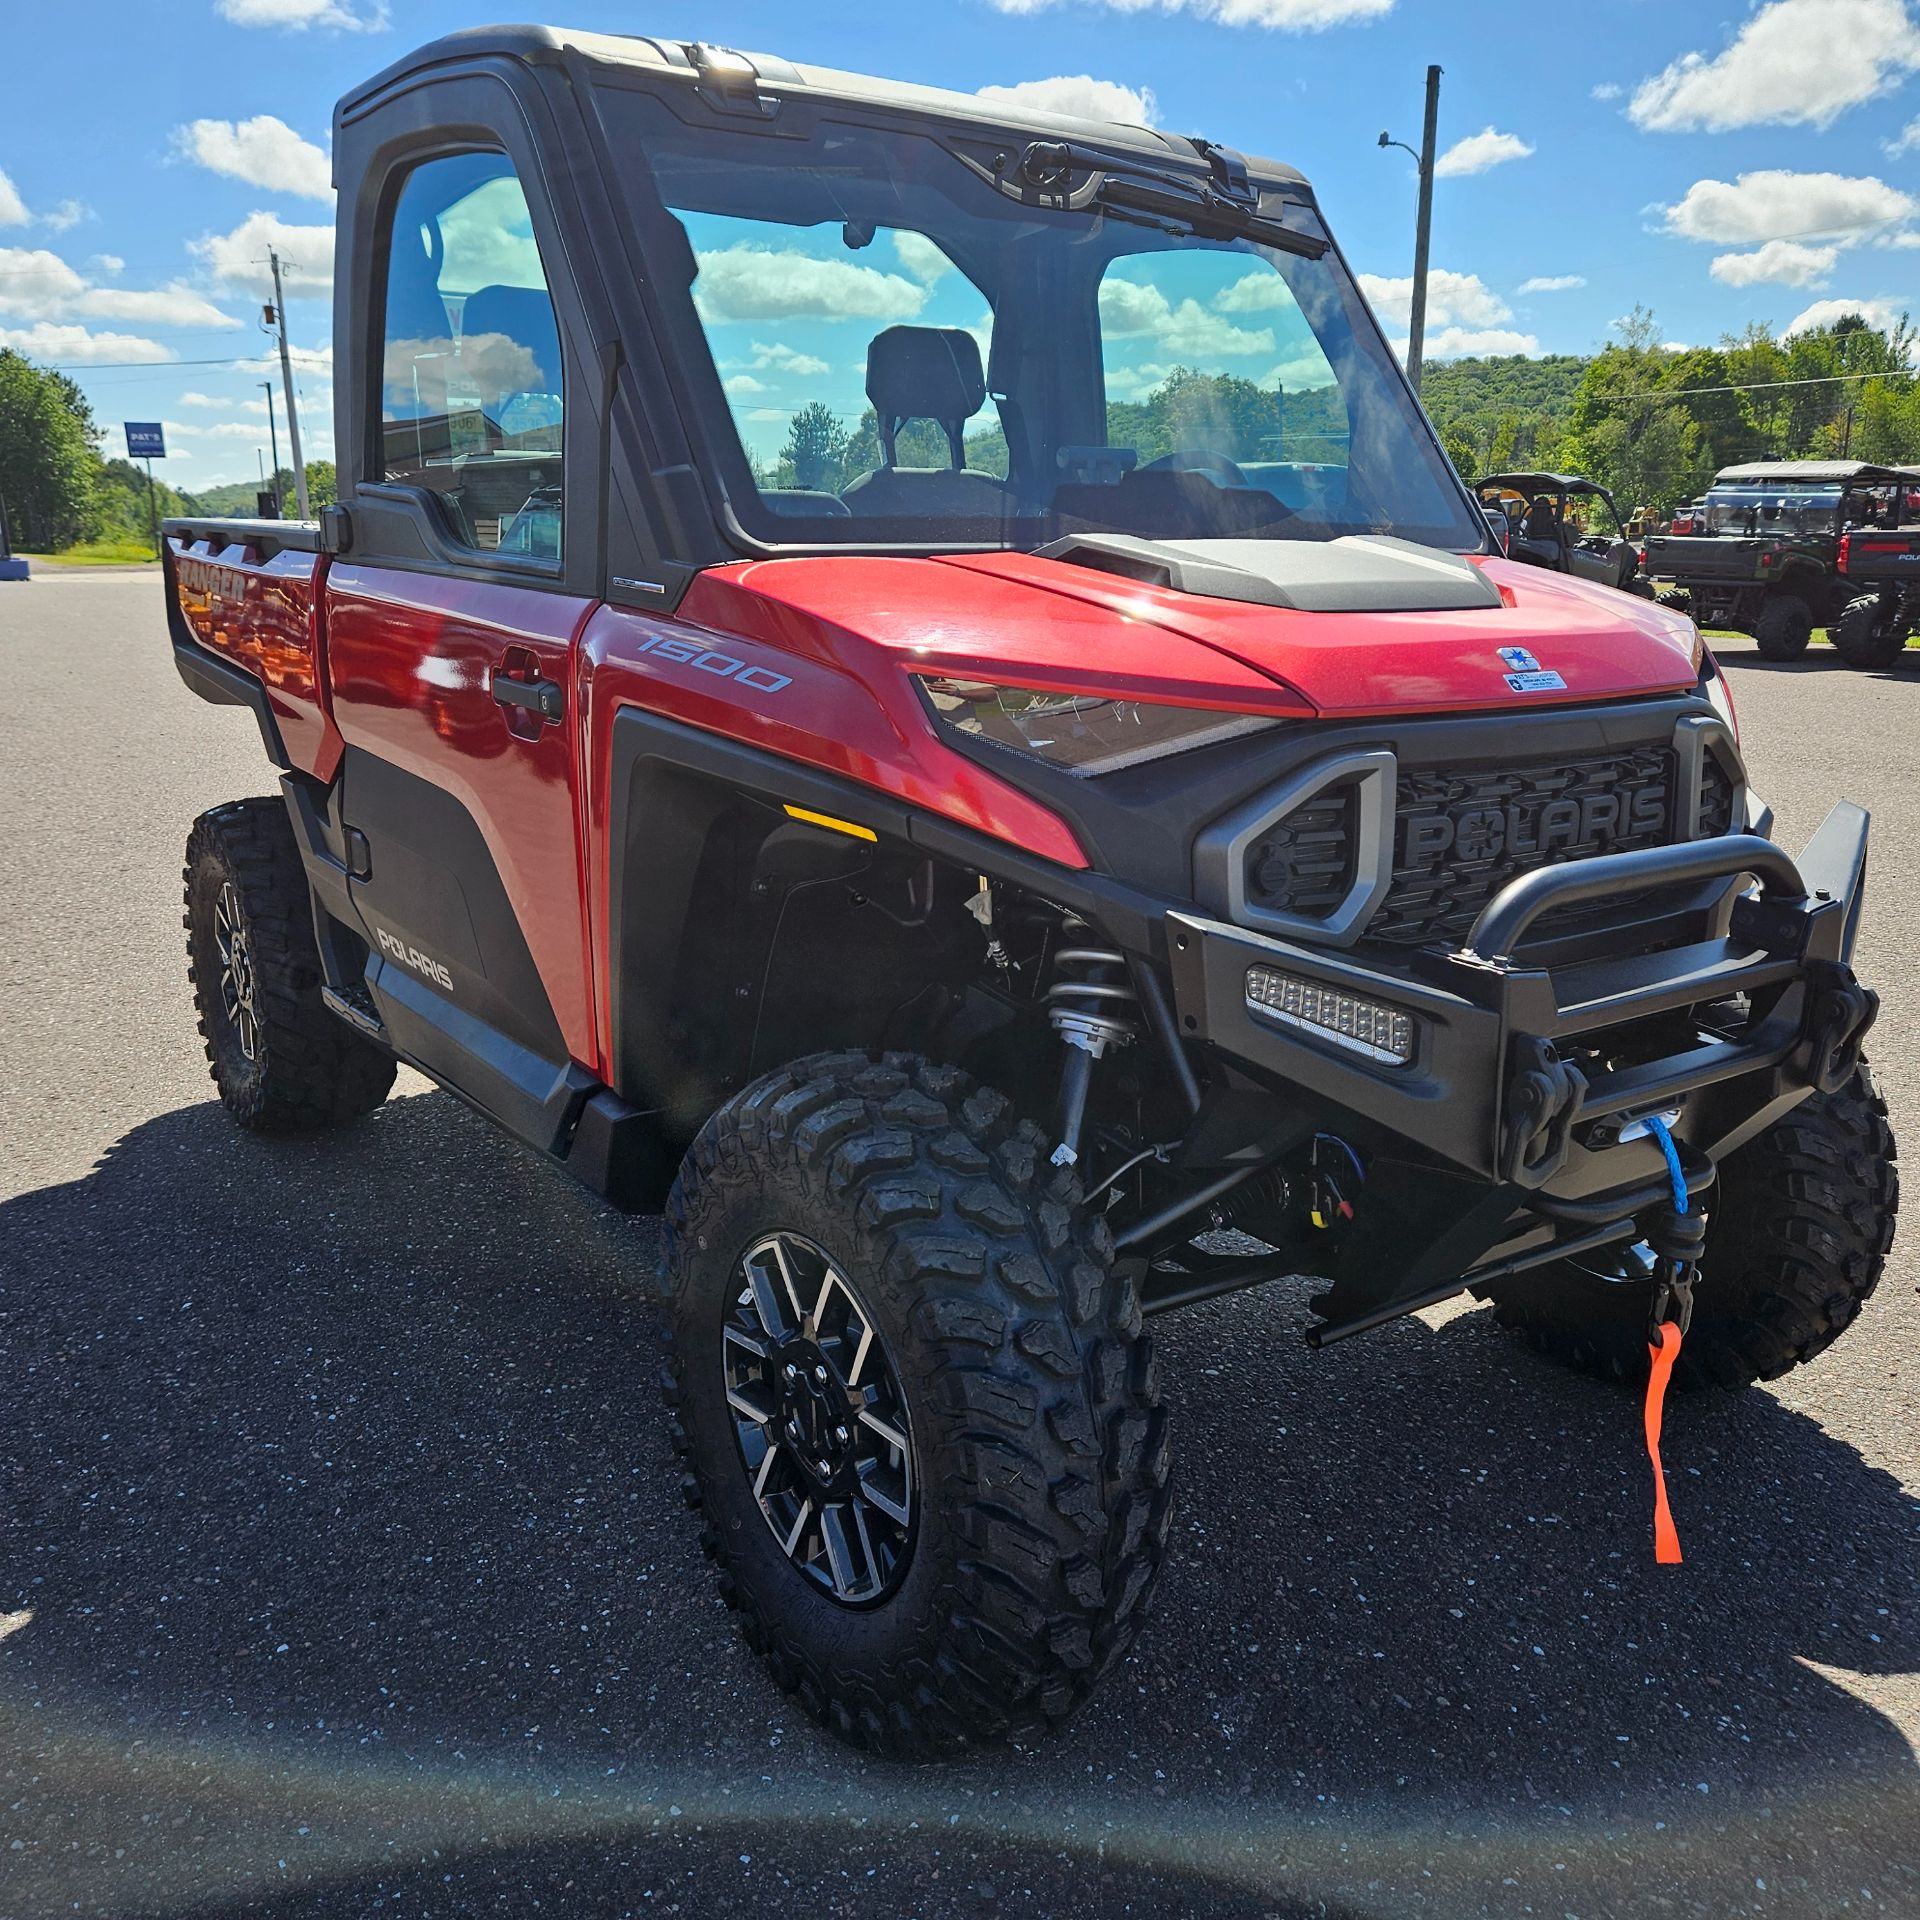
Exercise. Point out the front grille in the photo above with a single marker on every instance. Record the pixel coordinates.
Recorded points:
(1460, 836)
(1303, 863)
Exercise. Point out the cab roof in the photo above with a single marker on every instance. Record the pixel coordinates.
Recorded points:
(1540, 483)
(1815, 473)
(692, 63)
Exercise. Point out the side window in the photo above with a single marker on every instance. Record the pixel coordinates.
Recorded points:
(470, 386)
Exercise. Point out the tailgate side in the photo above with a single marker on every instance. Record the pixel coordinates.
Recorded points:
(244, 614)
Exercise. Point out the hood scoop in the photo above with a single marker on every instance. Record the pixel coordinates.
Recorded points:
(1358, 573)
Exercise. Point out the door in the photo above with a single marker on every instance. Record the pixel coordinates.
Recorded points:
(451, 639)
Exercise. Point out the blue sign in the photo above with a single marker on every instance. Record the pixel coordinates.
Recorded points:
(145, 441)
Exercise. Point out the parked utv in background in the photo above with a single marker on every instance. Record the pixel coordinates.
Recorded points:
(1767, 560)
(965, 866)
(1565, 524)
(1882, 564)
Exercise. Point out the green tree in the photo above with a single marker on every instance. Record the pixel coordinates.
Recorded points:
(49, 470)
(816, 448)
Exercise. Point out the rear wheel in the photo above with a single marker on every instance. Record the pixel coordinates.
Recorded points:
(1802, 1218)
(282, 1062)
(1677, 599)
(1784, 627)
(1639, 585)
(1865, 636)
(917, 1410)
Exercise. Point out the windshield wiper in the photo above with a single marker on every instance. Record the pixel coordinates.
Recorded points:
(1225, 206)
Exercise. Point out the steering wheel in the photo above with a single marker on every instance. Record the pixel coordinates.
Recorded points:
(1197, 460)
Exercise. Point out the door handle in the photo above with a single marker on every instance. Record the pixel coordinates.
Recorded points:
(542, 698)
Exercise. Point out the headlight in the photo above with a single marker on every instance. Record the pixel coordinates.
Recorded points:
(1082, 732)
(1713, 684)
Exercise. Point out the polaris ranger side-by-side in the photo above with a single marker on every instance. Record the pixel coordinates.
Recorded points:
(1566, 524)
(907, 681)
(1764, 557)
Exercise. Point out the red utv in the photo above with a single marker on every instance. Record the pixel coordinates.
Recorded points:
(907, 680)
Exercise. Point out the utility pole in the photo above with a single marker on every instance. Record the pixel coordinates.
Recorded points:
(153, 512)
(273, 434)
(277, 314)
(1423, 229)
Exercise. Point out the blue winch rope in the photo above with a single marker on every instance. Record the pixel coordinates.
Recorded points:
(1658, 1128)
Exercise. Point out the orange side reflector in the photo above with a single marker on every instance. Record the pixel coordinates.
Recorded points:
(1666, 1540)
(832, 825)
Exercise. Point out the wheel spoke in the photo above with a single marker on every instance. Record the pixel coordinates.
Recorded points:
(782, 1260)
(799, 1524)
(833, 1531)
(766, 1468)
(766, 1301)
(892, 1508)
(887, 1432)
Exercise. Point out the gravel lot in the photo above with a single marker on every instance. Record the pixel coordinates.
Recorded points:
(342, 1568)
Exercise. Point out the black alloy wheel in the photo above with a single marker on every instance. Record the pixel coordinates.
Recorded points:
(820, 1420)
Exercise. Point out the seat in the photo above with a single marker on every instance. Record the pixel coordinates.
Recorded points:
(524, 317)
(926, 373)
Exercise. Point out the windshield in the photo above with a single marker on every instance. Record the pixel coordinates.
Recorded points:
(897, 353)
(1749, 510)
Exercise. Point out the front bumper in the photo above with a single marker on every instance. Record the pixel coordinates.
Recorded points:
(1512, 1081)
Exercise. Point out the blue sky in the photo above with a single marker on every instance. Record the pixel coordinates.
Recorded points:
(1720, 163)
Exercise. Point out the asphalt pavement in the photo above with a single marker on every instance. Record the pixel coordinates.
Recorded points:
(343, 1569)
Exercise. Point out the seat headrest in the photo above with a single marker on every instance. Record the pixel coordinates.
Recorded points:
(926, 373)
(521, 317)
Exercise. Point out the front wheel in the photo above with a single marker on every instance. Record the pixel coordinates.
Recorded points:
(1866, 636)
(1800, 1222)
(917, 1410)
(1784, 627)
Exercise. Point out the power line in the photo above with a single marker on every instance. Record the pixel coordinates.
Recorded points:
(1754, 386)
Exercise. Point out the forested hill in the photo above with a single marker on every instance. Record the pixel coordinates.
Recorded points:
(1509, 410)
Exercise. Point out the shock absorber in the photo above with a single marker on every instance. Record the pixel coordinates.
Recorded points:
(1089, 1004)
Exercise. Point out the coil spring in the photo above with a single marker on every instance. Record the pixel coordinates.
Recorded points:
(1087, 1010)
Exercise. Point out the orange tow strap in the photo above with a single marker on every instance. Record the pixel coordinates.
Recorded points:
(1666, 1539)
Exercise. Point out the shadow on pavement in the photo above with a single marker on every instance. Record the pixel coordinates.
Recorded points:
(343, 1512)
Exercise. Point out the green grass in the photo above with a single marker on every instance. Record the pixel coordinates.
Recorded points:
(97, 553)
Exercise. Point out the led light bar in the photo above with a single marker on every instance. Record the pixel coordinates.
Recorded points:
(1370, 1027)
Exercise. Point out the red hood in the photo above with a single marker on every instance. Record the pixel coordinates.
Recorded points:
(1024, 620)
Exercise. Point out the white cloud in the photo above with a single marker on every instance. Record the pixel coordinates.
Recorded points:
(68, 346)
(263, 151)
(107, 263)
(1131, 311)
(1305, 373)
(174, 305)
(1451, 297)
(297, 16)
(1479, 151)
(1459, 343)
(921, 257)
(767, 283)
(69, 213)
(192, 398)
(1907, 140)
(1793, 63)
(1823, 313)
(1608, 90)
(38, 285)
(1080, 95)
(1906, 237)
(1553, 283)
(776, 356)
(1786, 263)
(1762, 206)
(239, 258)
(13, 210)
(1297, 16)
(744, 383)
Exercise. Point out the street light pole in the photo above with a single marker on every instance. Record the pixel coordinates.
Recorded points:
(1423, 229)
(278, 313)
(273, 434)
